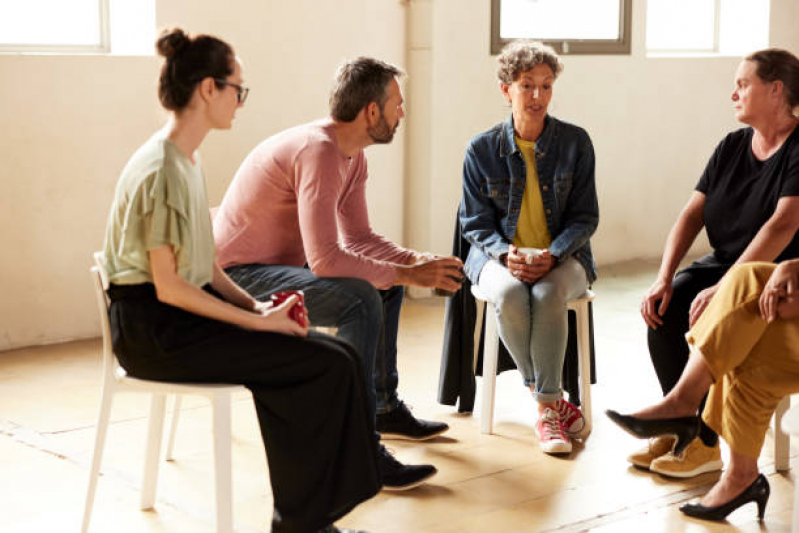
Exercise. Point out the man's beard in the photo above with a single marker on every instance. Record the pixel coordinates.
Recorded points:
(382, 133)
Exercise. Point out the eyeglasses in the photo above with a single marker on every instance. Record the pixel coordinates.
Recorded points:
(241, 91)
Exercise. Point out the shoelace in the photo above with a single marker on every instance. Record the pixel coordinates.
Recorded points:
(552, 427)
(563, 410)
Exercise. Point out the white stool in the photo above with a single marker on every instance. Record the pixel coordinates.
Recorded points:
(491, 353)
(116, 380)
(790, 423)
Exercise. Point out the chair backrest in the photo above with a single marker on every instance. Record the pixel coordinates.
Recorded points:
(100, 280)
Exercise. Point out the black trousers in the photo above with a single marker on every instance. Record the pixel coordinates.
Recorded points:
(308, 392)
(667, 346)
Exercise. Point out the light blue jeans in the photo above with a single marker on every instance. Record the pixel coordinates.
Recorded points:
(532, 320)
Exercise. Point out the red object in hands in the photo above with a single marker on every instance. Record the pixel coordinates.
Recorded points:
(297, 311)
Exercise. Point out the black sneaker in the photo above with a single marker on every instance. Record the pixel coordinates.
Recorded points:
(397, 476)
(401, 424)
(333, 529)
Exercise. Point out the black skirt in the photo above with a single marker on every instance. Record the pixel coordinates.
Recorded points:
(308, 394)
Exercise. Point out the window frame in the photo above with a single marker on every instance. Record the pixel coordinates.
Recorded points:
(103, 47)
(622, 45)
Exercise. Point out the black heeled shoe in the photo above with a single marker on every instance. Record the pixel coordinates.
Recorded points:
(757, 492)
(685, 429)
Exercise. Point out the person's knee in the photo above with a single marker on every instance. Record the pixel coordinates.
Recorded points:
(756, 273)
(365, 294)
(513, 301)
(548, 295)
(339, 356)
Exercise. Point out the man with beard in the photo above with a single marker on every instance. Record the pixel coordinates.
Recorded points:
(295, 218)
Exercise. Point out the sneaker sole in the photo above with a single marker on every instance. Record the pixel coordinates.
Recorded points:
(711, 466)
(401, 436)
(557, 449)
(409, 486)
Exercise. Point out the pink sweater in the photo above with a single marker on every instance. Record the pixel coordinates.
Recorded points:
(296, 199)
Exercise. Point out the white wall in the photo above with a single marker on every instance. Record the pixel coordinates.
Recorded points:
(654, 122)
(70, 123)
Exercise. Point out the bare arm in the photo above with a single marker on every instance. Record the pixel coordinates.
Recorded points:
(681, 237)
(172, 289)
(767, 245)
(776, 233)
(230, 291)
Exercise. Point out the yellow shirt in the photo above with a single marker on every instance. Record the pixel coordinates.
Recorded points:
(531, 228)
(160, 200)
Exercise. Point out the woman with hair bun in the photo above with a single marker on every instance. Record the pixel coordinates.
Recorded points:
(176, 316)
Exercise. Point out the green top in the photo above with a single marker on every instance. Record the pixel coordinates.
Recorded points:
(159, 200)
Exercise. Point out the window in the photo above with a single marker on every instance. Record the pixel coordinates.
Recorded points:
(120, 27)
(725, 27)
(569, 26)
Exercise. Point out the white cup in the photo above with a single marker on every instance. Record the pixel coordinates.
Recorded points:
(530, 253)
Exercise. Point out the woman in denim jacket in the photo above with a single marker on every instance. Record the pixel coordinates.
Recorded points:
(529, 208)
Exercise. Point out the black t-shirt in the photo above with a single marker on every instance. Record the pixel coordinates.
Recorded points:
(742, 192)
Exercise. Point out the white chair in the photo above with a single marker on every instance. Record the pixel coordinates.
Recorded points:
(790, 423)
(491, 353)
(115, 380)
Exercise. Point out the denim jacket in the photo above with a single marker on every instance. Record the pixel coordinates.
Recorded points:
(494, 177)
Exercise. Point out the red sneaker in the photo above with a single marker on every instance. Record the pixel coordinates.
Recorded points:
(572, 419)
(551, 436)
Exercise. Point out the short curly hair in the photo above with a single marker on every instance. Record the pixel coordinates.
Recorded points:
(522, 55)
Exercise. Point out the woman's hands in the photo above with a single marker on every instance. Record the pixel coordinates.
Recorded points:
(780, 297)
(660, 291)
(531, 272)
(268, 317)
(699, 304)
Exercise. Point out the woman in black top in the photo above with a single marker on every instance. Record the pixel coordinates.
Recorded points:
(748, 201)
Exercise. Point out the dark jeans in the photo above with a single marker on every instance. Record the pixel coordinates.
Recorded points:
(308, 394)
(365, 317)
(667, 345)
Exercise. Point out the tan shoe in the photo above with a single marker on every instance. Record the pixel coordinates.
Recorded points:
(656, 447)
(696, 459)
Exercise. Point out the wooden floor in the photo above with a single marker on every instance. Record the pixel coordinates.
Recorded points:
(49, 398)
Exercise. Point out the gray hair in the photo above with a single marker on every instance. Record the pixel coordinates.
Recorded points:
(522, 55)
(359, 82)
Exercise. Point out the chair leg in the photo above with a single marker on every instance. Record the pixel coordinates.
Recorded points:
(795, 523)
(223, 468)
(782, 441)
(155, 434)
(97, 456)
(173, 427)
(584, 358)
(490, 355)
